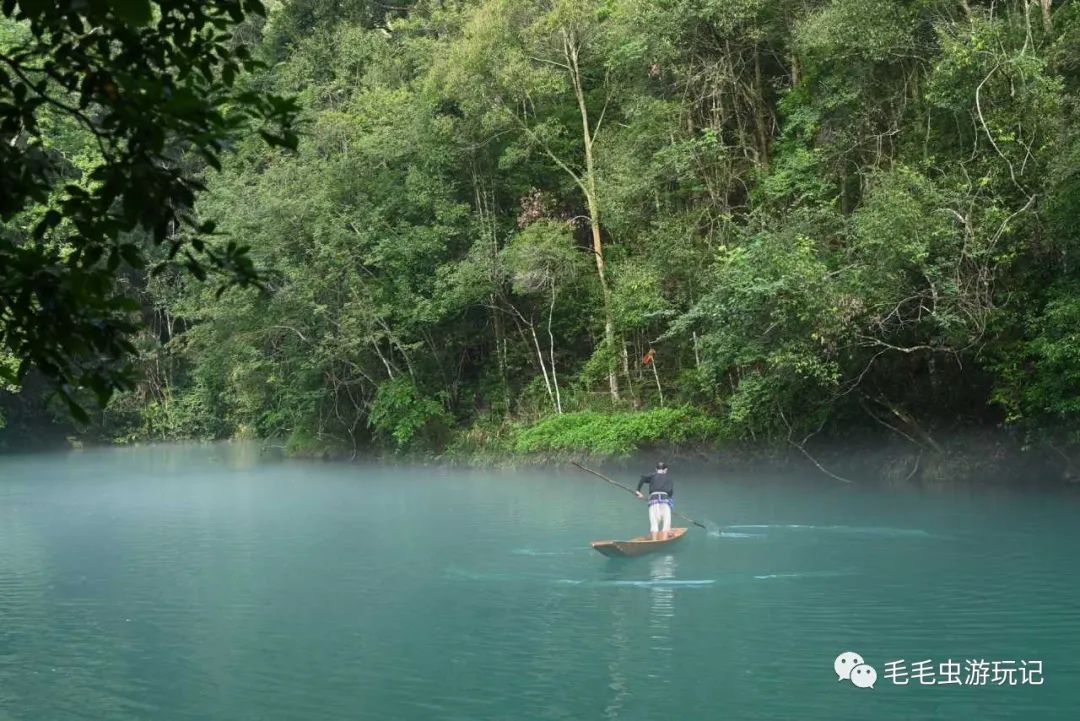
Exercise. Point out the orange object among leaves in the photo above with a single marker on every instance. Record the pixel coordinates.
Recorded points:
(648, 357)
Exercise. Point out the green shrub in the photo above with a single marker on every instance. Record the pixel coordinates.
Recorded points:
(617, 433)
(402, 415)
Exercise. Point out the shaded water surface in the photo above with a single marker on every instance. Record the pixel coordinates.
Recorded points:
(211, 583)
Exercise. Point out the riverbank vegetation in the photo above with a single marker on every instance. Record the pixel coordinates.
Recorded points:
(585, 225)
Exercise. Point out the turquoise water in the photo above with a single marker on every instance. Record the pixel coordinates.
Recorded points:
(209, 583)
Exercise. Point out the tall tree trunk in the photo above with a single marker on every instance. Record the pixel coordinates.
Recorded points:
(1048, 23)
(571, 50)
(759, 113)
(487, 222)
(625, 357)
(500, 352)
(656, 377)
(609, 321)
(543, 367)
(551, 352)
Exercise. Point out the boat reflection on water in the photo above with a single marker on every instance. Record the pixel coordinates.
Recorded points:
(620, 683)
(627, 622)
(661, 607)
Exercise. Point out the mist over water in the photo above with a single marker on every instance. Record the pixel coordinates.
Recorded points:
(212, 582)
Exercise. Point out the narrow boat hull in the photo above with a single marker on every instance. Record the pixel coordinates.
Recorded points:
(639, 546)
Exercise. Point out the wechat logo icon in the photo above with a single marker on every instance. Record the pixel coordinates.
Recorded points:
(850, 666)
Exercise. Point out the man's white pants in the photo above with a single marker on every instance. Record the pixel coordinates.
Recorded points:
(659, 517)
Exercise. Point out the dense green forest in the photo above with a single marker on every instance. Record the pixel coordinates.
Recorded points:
(565, 225)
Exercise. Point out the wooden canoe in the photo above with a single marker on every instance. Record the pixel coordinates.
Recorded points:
(638, 546)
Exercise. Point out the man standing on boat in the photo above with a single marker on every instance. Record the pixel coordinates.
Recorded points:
(661, 499)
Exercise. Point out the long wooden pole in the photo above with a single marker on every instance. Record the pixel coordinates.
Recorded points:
(631, 490)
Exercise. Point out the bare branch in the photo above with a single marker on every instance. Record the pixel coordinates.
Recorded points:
(548, 61)
(989, 135)
(802, 449)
